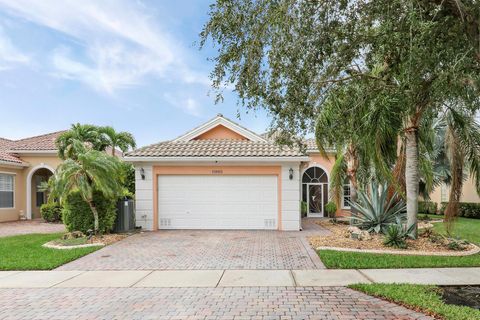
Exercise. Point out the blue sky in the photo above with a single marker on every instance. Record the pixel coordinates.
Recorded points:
(133, 65)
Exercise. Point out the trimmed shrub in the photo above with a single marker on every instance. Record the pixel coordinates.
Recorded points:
(77, 215)
(465, 209)
(427, 207)
(303, 208)
(51, 212)
(331, 209)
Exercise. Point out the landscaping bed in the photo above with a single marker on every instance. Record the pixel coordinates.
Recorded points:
(340, 237)
(83, 242)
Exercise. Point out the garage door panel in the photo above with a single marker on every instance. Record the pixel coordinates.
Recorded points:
(217, 202)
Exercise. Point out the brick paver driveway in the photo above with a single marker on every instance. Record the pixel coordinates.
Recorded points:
(29, 226)
(197, 303)
(206, 249)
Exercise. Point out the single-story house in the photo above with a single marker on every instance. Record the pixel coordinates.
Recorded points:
(221, 175)
(24, 165)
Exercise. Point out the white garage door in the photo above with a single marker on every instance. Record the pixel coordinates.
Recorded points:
(217, 202)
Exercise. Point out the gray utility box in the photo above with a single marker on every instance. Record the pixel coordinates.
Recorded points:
(125, 221)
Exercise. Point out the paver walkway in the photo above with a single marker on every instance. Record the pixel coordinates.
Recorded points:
(205, 249)
(29, 226)
(197, 303)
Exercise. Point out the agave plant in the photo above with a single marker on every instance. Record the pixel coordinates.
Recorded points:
(373, 212)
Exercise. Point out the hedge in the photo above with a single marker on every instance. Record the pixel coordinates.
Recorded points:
(427, 207)
(51, 212)
(465, 209)
(77, 216)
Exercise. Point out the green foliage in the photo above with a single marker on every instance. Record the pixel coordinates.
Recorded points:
(129, 173)
(359, 260)
(51, 212)
(113, 139)
(466, 209)
(427, 207)
(395, 236)
(25, 252)
(427, 299)
(304, 208)
(77, 215)
(372, 210)
(331, 209)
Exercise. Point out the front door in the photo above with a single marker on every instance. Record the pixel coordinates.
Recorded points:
(315, 205)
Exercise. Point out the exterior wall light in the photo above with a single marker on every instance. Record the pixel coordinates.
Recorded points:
(142, 173)
(290, 176)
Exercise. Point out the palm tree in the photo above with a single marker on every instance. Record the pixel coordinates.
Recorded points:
(79, 138)
(121, 140)
(91, 171)
(462, 144)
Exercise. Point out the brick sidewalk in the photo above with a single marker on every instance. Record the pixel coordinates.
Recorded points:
(197, 303)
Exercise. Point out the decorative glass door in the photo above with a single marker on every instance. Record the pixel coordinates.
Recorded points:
(315, 203)
(315, 191)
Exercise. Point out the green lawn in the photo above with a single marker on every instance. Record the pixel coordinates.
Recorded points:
(25, 252)
(356, 260)
(424, 298)
(468, 229)
(464, 228)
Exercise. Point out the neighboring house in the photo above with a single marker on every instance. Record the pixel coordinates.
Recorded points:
(24, 165)
(221, 175)
(469, 193)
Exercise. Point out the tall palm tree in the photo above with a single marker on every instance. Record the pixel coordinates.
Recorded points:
(91, 171)
(78, 139)
(120, 140)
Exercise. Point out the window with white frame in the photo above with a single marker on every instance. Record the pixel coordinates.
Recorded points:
(347, 189)
(7, 190)
(443, 193)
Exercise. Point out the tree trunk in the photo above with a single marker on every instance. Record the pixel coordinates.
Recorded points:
(352, 167)
(95, 216)
(456, 165)
(412, 177)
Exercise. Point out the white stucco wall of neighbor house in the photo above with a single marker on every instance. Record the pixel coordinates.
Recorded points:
(290, 196)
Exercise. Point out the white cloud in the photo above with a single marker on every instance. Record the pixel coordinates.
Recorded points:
(187, 105)
(9, 54)
(123, 43)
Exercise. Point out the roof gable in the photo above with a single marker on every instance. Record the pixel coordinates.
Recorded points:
(233, 130)
(220, 132)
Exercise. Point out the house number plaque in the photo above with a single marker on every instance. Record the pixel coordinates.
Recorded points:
(217, 171)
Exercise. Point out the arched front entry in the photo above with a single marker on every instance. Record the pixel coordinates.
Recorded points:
(35, 197)
(315, 191)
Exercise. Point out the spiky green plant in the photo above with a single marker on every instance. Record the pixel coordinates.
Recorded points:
(373, 212)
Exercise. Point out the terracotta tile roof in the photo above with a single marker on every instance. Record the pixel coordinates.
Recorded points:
(312, 146)
(8, 148)
(214, 148)
(8, 157)
(41, 143)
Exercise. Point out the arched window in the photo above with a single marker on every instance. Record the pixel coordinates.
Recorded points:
(315, 191)
(314, 175)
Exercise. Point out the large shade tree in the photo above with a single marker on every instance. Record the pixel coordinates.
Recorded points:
(287, 56)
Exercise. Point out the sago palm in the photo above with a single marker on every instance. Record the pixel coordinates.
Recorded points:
(91, 171)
